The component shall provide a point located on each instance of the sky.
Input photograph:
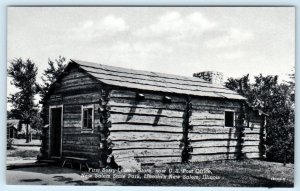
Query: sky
(175, 40)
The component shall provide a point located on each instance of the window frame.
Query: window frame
(232, 111)
(83, 129)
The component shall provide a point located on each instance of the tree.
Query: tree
(277, 100)
(37, 124)
(23, 74)
(50, 74)
(242, 86)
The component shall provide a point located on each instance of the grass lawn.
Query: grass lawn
(231, 173)
(227, 173)
(22, 154)
(22, 142)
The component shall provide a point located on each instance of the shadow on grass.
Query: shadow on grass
(30, 180)
(62, 178)
(71, 181)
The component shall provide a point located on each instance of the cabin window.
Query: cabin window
(87, 117)
(229, 119)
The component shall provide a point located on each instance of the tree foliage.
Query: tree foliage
(50, 74)
(277, 100)
(23, 74)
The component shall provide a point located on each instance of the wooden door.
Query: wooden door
(55, 131)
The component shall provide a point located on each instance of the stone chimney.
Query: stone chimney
(210, 76)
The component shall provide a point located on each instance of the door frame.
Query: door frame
(61, 129)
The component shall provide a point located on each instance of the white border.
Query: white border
(3, 77)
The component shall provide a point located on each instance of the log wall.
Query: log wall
(254, 135)
(73, 91)
(211, 140)
(148, 130)
(209, 137)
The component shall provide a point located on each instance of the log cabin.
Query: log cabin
(13, 125)
(116, 116)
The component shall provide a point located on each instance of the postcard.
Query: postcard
(151, 96)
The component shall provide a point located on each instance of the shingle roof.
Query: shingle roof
(13, 123)
(154, 81)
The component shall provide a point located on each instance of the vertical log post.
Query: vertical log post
(185, 141)
(262, 141)
(240, 129)
(105, 149)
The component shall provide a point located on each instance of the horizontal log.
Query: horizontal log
(70, 117)
(252, 137)
(201, 158)
(214, 129)
(85, 148)
(147, 111)
(212, 143)
(146, 152)
(78, 88)
(144, 144)
(216, 150)
(69, 153)
(212, 122)
(81, 132)
(218, 103)
(78, 80)
(206, 115)
(157, 160)
(251, 143)
(211, 110)
(73, 75)
(140, 119)
(145, 104)
(82, 98)
(81, 137)
(201, 136)
(77, 85)
(129, 136)
(87, 142)
(132, 95)
(222, 129)
(248, 146)
(72, 109)
(76, 123)
(214, 108)
(252, 155)
(250, 149)
(71, 130)
(146, 128)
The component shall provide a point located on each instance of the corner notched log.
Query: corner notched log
(105, 149)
